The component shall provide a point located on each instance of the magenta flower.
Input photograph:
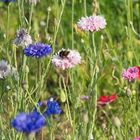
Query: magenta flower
(92, 23)
(65, 59)
(131, 73)
(138, 138)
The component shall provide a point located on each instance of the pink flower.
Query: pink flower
(65, 59)
(92, 23)
(131, 73)
(138, 138)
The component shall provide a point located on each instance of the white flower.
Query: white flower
(23, 39)
(5, 69)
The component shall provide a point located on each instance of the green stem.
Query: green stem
(19, 12)
(47, 23)
(72, 35)
(30, 18)
(39, 79)
(58, 24)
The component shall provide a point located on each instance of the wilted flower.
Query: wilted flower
(104, 100)
(33, 1)
(131, 73)
(27, 123)
(23, 39)
(37, 50)
(65, 59)
(5, 69)
(92, 23)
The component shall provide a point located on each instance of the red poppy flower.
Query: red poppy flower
(103, 100)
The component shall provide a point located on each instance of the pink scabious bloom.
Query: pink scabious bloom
(92, 23)
(131, 73)
(65, 59)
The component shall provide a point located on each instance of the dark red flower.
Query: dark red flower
(103, 100)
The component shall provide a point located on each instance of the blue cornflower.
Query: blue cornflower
(37, 50)
(6, 1)
(28, 123)
(52, 107)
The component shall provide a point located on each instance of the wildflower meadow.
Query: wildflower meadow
(69, 69)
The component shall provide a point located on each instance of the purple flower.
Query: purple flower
(37, 50)
(92, 23)
(131, 73)
(28, 123)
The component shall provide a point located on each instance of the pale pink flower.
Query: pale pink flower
(92, 23)
(131, 73)
(65, 59)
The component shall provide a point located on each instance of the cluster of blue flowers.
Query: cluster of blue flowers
(6, 1)
(37, 50)
(34, 121)
(27, 123)
(52, 108)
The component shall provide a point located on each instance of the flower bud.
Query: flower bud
(116, 121)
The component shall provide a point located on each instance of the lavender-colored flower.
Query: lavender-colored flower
(28, 123)
(52, 108)
(84, 97)
(131, 73)
(5, 69)
(33, 1)
(37, 50)
(92, 23)
(65, 59)
(23, 39)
